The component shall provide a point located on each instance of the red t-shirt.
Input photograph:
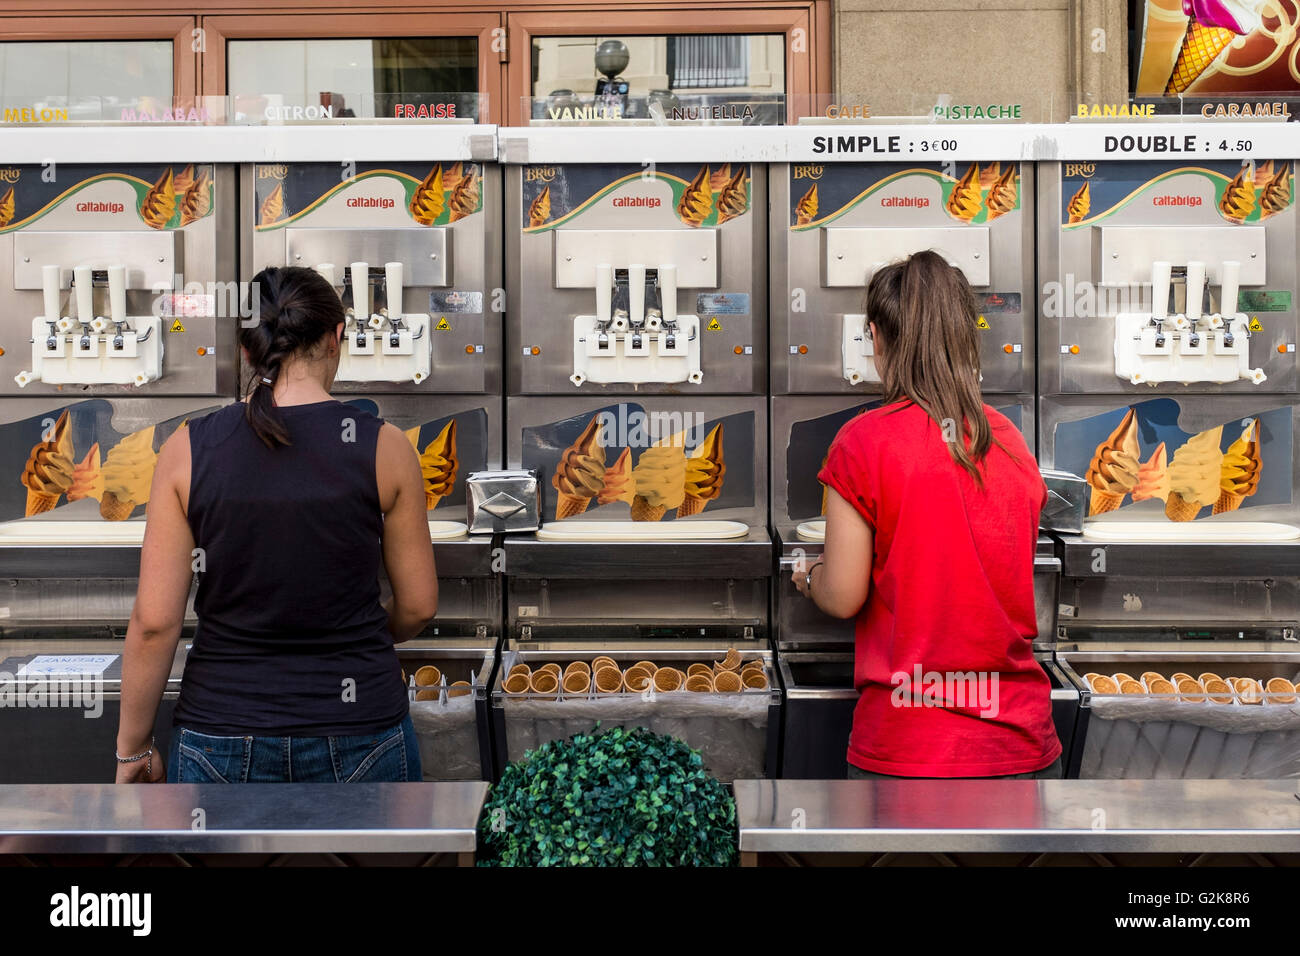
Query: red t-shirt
(944, 661)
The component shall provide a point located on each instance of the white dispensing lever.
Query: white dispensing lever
(1230, 288)
(1160, 276)
(50, 292)
(85, 295)
(668, 294)
(636, 294)
(326, 271)
(604, 295)
(361, 293)
(393, 292)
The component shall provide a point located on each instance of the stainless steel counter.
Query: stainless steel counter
(747, 557)
(1003, 816)
(1190, 560)
(277, 818)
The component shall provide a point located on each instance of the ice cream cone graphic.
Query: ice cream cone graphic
(580, 475)
(1238, 199)
(1239, 473)
(128, 473)
(438, 464)
(1194, 475)
(618, 481)
(705, 470)
(49, 469)
(660, 481)
(87, 478)
(1276, 195)
(1080, 203)
(1113, 471)
(965, 200)
(1153, 477)
(1211, 26)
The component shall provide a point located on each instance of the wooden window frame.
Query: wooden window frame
(806, 72)
(218, 30)
(178, 29)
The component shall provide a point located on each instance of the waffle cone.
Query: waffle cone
(553, 668)
(609, 680)
(691, 506)
(636, 679)
(1227, 502)
(38, 502)
(521, 669)
(578, 682)
(113, 508)
(754, 679)
(517, 684)
(1103, 501)
(577, 667)
(699, 683)
(598, 663)
(427, 676)
(428, 693)
(1201, 47)
(702, 669)
(543, 682)
(1280, 691)
(566, 506)
(458, 689)
(1178, 508)
(726, 682)
(731, 662)
(669, 679)
(642, 510)
(431, 500)
(648, 666)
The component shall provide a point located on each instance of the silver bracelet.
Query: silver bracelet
(153, 742)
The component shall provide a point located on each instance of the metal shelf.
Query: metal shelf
(747, 557)
(1181, 560)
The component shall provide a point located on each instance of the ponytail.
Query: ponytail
(297, 309)
(924, 312)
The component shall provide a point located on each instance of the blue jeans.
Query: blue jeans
(390, 756)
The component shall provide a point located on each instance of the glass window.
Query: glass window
(376, 73)
(94, 72)
(695, 64)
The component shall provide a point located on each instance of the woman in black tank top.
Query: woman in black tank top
(283, 505)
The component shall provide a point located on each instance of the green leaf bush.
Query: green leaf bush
(619, 798)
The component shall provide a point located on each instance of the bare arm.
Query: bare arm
(166, 572)
(408, 552)
(841, 582)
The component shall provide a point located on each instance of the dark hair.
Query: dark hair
(926, 326)
(297, 309)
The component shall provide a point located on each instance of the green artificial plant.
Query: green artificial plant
(619, 798)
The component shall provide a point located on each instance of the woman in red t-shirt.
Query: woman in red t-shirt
(931, 525)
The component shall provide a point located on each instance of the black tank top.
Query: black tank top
(291, 639)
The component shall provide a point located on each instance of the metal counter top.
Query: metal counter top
(470, 556)
(1186, 560)
(275, 818)
(1004, 816)
(747, 557)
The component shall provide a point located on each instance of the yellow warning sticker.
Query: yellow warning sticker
(176, 326)
(443, 325)
(982, 323)
(1254, 324)
(714, 325)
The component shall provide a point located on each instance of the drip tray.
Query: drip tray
(812, 530)
(86, 534)
(1160, 532)
(570, 530)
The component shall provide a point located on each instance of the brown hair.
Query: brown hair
(296, 308)
(924, 313)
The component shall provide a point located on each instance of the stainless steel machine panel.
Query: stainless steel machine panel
(1103, 229)
(439, 220)
(833, 224)
(698, 229)
(424, 252)
(168, 328)
(155, 258)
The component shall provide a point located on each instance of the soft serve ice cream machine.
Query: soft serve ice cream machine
(835, 224)
(1164, 277)
(118, 280)
(636, 278)
(414, 253)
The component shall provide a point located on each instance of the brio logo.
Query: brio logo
(808, 172)
(9, 174)
(1080, 169)
(272, 171)
(539, 174)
